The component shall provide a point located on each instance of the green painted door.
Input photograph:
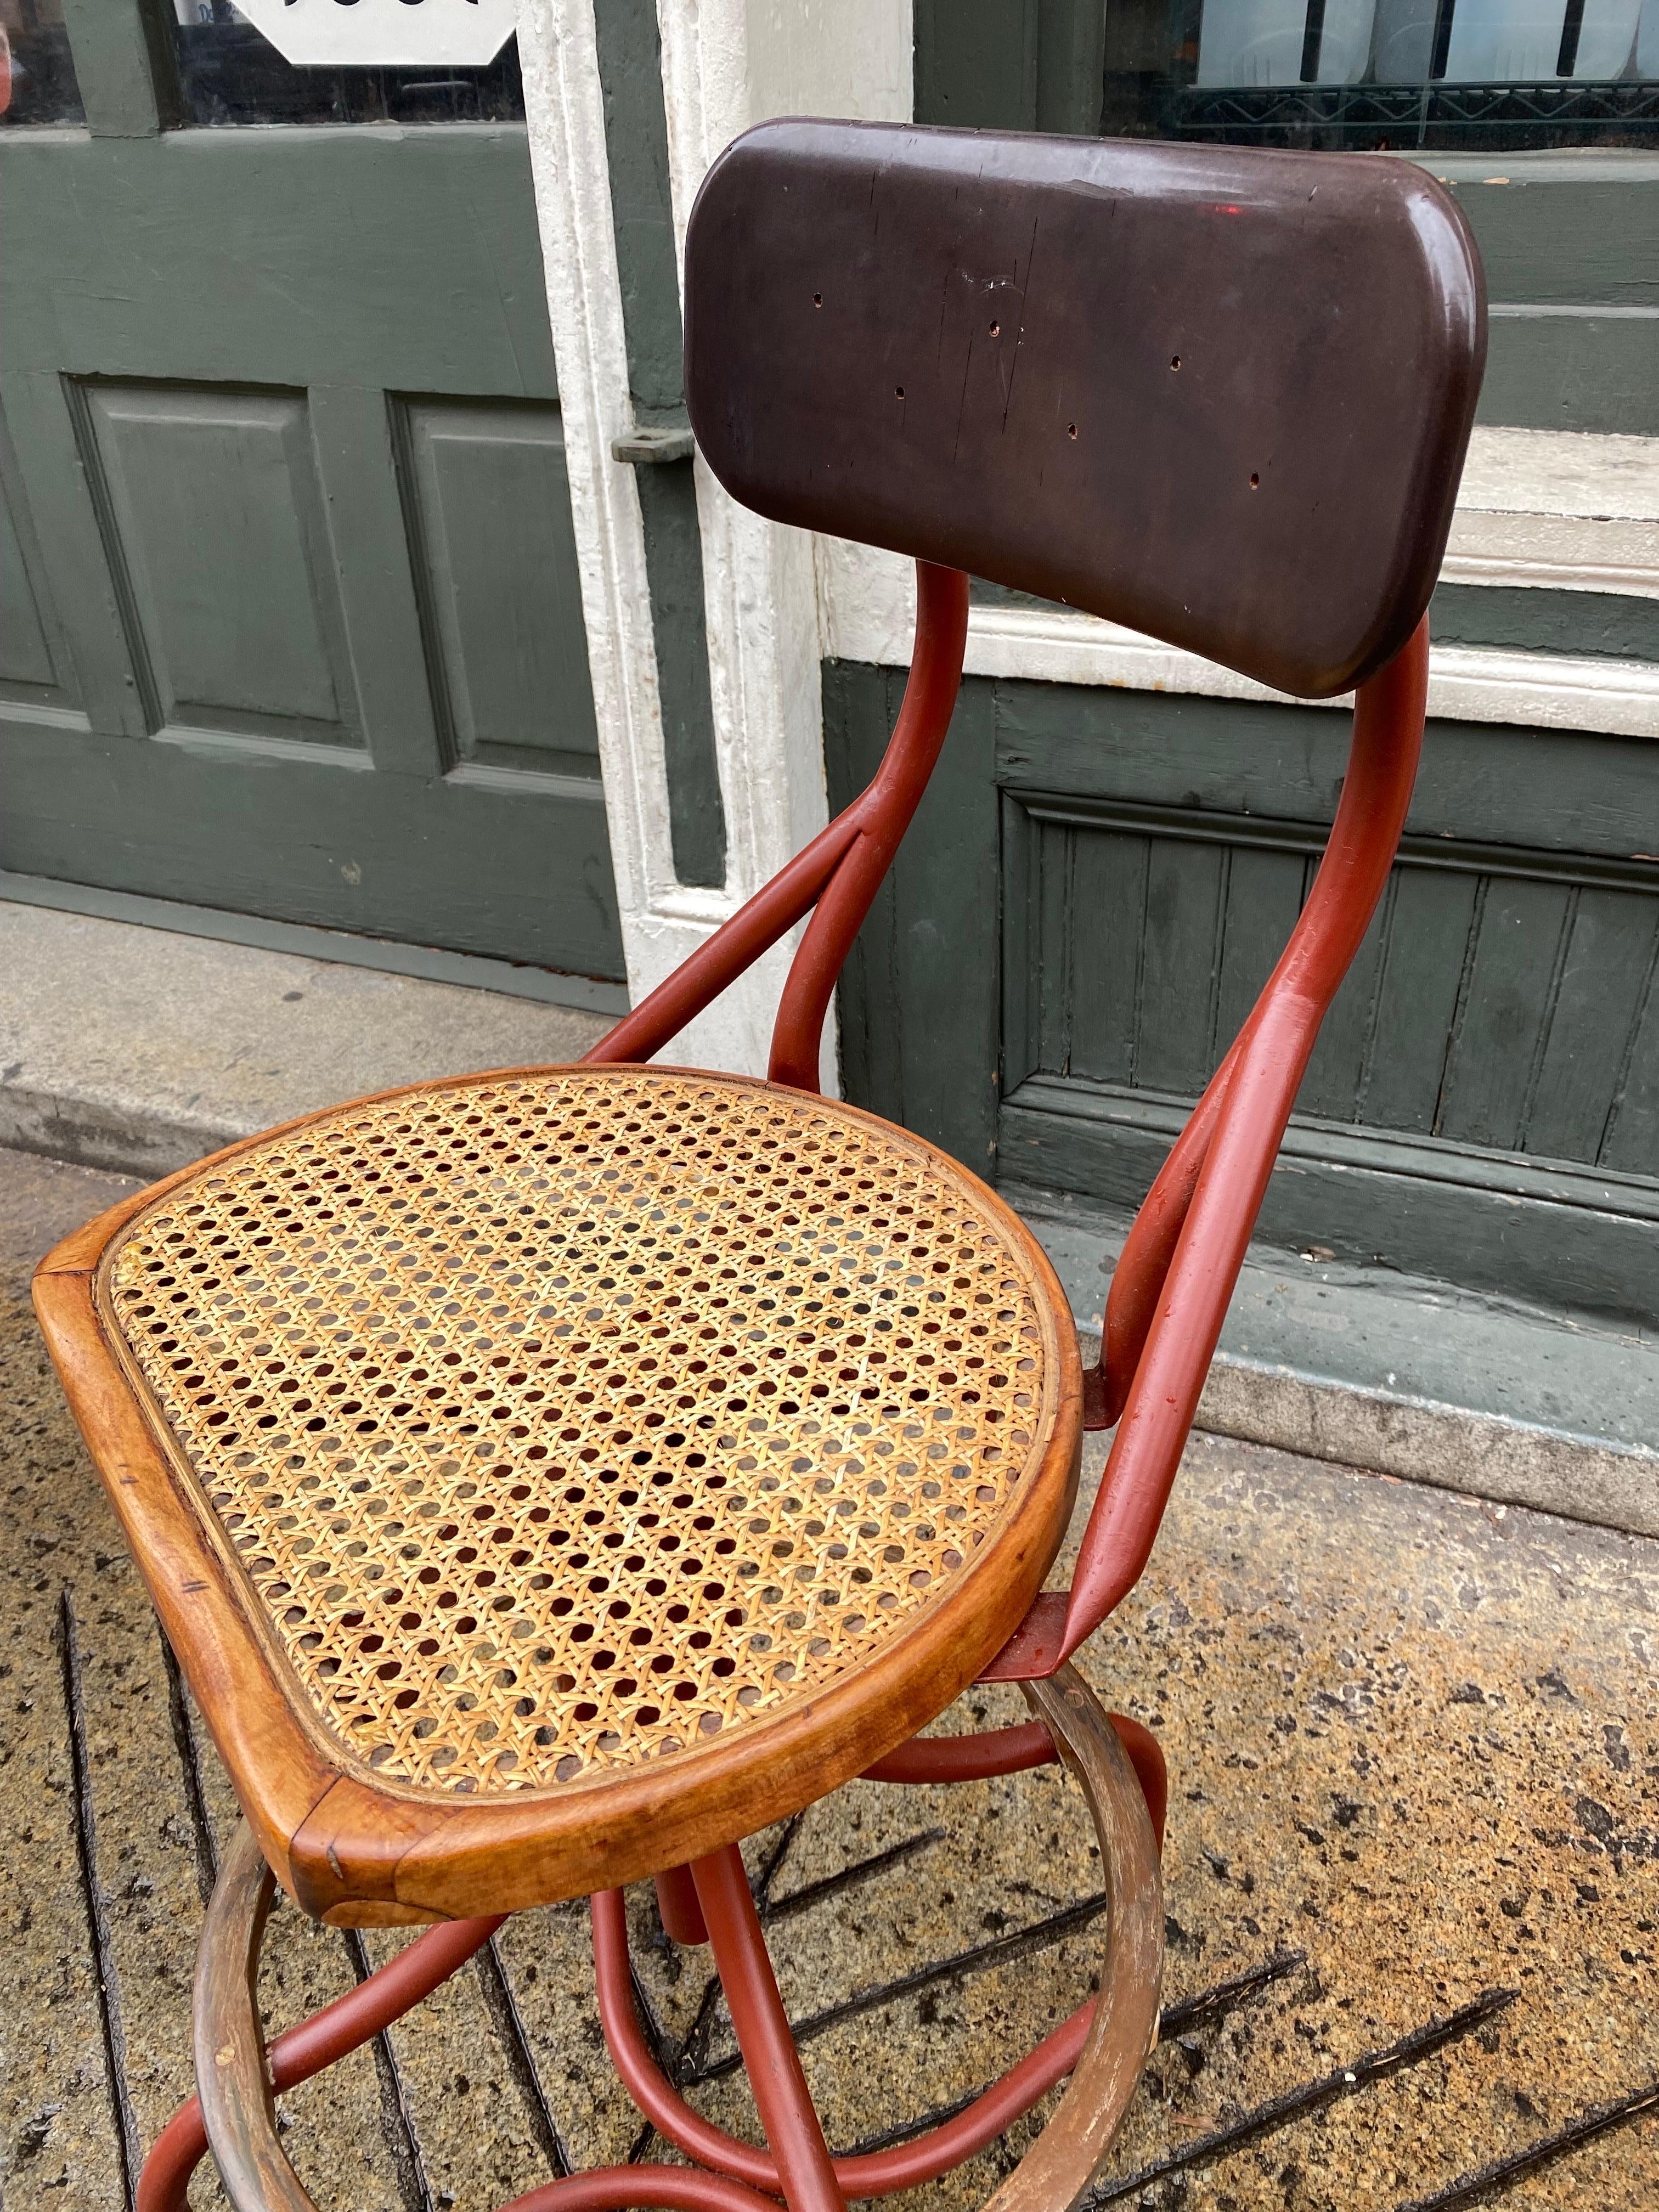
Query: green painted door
(290, 619)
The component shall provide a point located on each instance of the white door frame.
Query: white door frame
(726, 63)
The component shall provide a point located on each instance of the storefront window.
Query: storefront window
(230, 73)
(1476, 74)
(37, 76)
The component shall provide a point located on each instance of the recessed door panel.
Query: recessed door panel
(490, 505)
(215, 529)
(25, 657)
(29, 669)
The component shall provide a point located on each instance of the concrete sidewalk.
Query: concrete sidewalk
(139, 1050)
(1412, 1870)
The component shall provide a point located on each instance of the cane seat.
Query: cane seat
(572, 1425)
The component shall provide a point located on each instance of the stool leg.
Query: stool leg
(793, 2133)
(678, 1905)
(237, 2108)
(235, 2071)
(1103, 2046)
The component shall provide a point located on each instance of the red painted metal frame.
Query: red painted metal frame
(938, 2150)
(729, 1917)
(840, 872)
(875, 2173)
(679, 1910)
(340, 2028)
(617, 2188)
(801, 2168)
(1171, 1286)
(1011, 1751)
(1168, 1296)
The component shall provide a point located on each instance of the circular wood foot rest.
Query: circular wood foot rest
(1103, 2048)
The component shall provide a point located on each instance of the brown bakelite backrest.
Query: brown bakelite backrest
(1219, 395)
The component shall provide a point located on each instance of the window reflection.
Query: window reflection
(230, 73)
(37, 75)
(1386, 73)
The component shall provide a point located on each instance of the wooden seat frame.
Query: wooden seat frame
(1168, 1299)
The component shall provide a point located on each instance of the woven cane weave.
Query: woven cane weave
(562, 1421)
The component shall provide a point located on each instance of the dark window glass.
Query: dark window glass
(1476, 74)
(229, 72)
(37, 75)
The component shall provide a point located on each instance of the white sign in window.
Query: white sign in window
(384, 33)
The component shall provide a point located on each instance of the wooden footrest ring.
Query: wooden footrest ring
(232, 2073)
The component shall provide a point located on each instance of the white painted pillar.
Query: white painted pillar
(726, 63)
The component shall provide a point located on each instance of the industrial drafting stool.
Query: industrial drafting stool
(547, 1478)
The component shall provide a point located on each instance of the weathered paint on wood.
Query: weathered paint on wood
(123, 55)
(1566, 228)
(484, 860)
(673, 568)
(1615, 625)
(34, 665)
(988, 66)
(1561, 237)
(211, 515)
(1583, 1244)
(400, 259)
(1585, 795)
(1632, 1140)
(1484, 1103)
(1582, 1079)
(629, 51)
(495, 562)
(1512, 961)
(919, 1014)
(1573, 372)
